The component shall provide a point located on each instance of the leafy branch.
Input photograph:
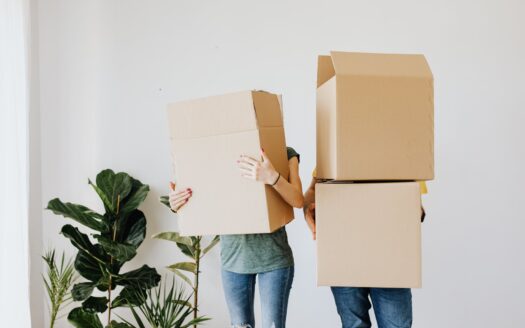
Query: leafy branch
(118, 234)
(191, 247)
(164, 308)
(58, 280)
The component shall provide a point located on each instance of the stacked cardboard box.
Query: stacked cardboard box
(207, 137)
(374, 140)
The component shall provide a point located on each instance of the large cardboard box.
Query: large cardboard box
(368, 234)
(375, 117)
(207, 137)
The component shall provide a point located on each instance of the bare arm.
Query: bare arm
(309, 195)
(309, 207)
(263, 171)
(291, 191)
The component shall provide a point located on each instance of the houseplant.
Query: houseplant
(58, 279)
(115, 237)
(164, 307)
(193, 248)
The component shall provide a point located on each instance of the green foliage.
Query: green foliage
(59, 277)
(164, 308)
(117, 235)
(191, 247)
(81, 318)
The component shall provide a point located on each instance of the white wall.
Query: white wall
(108, 69)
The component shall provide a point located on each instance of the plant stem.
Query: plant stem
(53, 318)
(196, 292)
(196, 281)
(111, 259)
(109, 301)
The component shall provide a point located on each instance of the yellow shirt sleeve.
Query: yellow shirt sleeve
(314, 173)
(423, 187)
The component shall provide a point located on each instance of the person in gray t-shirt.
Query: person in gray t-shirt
(265, 256)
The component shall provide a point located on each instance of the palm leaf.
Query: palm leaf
(181, 275)
(166, 307)
(58, 280)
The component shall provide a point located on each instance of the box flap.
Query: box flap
(267, 109)
(280, 98)
(325, 69)
(211, 116)
(354, 63)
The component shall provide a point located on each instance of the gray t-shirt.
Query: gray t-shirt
(256, 253)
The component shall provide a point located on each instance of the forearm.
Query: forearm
(309, 195)
(291, 193)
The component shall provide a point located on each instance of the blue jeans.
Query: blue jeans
(392, 306)
(274, 290)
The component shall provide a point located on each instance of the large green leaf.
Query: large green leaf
(88, 267)
(116, 187)
(130, 296)
(185, 266)
(81, 241)
(107, 202)
(79, 213)
(142, 278)
(121, 252)
(114, 324)
(187, 250)
(95, 304)
(81, 318)
(138, 193)
(82, 291)
(132, 228)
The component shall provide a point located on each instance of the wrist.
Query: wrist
(305, 207)
(274, 178)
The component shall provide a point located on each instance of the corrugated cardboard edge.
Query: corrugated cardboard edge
(282, 168)
(325, 69)
(326, 120)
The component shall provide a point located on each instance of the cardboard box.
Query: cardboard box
(368, 234)
(375, 117)
(207, 137)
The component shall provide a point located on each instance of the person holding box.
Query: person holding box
(392, 306)
(267, 257)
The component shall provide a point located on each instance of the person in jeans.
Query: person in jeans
(267, 257)
(392, 306)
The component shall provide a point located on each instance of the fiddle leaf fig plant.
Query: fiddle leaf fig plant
(112, 241)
